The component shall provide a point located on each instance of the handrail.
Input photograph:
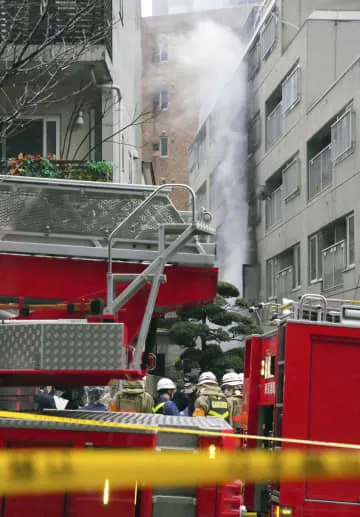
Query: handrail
(319, 297)
(135, 211)
(323, 150)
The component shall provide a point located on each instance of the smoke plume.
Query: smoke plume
(213, 80)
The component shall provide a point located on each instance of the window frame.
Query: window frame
(291, 194)
(162, 139)
(278, 215)
(121, 11)
(163, 42)
(318, 277)
(287, 108)
(271, 265)
(271, 19)
(336, 158)
(350, 264)
(297, 267)
(45, 119)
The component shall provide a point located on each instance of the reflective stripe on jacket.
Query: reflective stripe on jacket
(159, 408)
(218, 406)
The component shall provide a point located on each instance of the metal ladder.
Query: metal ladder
(154, 272)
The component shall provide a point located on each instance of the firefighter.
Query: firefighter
(210, 399)
(232, 387)
(164, 404)
(95, 394)
(133, 398)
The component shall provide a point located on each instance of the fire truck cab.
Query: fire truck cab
(301, 381)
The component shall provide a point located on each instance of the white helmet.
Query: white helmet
(241, 378)
(230, 379)
(165, 384)
(207, 378)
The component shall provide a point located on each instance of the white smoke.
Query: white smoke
(213, 79)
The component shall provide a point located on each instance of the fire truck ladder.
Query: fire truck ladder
(154, 272)
(91, 221)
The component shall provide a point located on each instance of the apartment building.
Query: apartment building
(168, 135)
(99, 92)
(303, 155)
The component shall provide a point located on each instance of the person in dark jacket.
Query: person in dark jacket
(190, 388)
(94, 400)
(163, 404)
(44, 399)
(180, 397)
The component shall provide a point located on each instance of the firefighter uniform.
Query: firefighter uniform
(236, 402)
(210, 400)
(133, 399)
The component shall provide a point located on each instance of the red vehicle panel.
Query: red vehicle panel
(317, 375)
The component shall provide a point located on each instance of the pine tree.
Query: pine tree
(202, 330)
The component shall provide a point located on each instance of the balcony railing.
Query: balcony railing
(320, 172)
(74, 20)
(284, 283)
(333, 265)
(274, 126)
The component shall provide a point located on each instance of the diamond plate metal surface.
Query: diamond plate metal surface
(66, 209)
(157, 421)
(61, 346)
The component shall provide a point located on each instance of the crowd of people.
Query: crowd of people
(193, 397)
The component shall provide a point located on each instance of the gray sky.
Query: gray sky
(146, 7)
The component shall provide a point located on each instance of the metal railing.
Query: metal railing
(284, 283)
(274, 126)
(74, 22)
(320, 172)
(333, 259)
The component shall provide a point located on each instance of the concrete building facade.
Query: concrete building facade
(168, 135)
(87, 125)
(303, 156)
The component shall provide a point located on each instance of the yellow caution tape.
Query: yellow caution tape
(54, 471)
(198, 432)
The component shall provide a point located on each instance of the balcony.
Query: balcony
(284, 283)
(333, 266)
(67, 22)
(274, 126)
(320, 172)
(40, 167)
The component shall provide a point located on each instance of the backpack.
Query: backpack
(131, 402)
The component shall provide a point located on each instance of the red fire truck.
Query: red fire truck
(84, 269)
(301, 381)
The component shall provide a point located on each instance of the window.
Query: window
(284, 273)
(320, 172)
(164, 147)
(254, 59)
(270, 278)
(163, 98)
(160, 100)
(291, 90)
(34, 136)
(315, 265)
(341, 135)
(273, 208)
(160, 53)
(254, 133)
(290, 179)
(268, 36)
(297, 267)
(350, 241)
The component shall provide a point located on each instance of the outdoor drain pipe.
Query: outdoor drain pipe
(117, 89)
